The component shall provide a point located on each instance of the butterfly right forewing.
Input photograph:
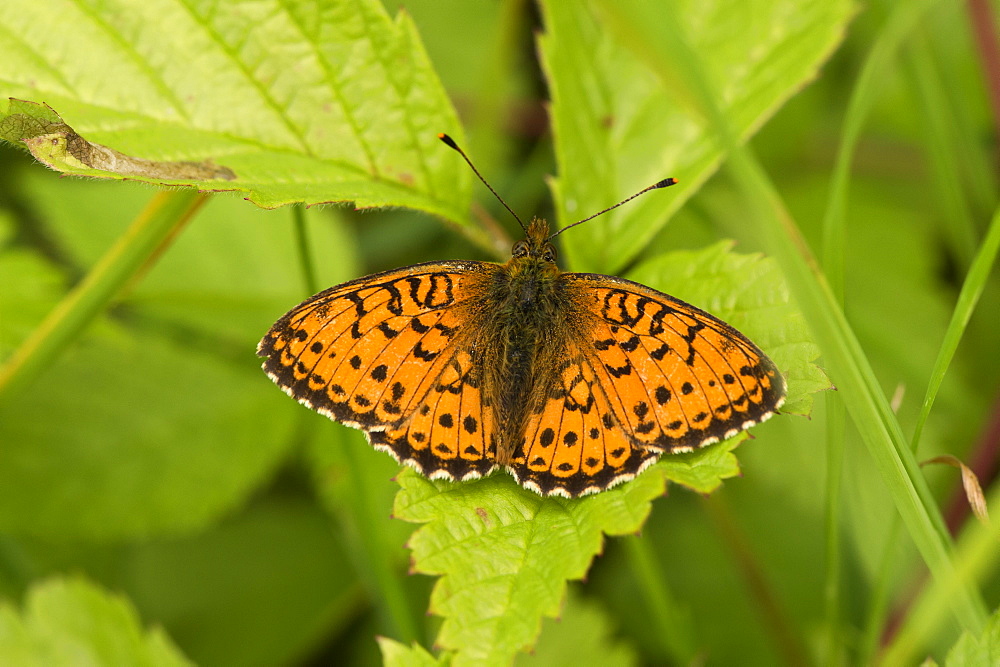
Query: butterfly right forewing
(677, 377)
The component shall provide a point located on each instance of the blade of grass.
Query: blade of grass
(847, 364)
(972, 289)
(360, 517)
(166, 213)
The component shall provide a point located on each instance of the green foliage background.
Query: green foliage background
(162, 502)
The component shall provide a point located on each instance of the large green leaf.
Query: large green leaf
(266, 587)
(134, 436)
(506, 554)
(158, 420)
(73, 622)
(303, 101)
(618, 128)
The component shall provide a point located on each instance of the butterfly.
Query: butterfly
(572, 382)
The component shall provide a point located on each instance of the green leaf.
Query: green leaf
(982, 650)
(98, 450)
(147, 426)
(268, 586)
(395, 654)
(618, 129)
(582, 635)
(303, 101)
(73, 622)
(507, 553)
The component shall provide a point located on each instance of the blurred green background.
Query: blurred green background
(265, 567)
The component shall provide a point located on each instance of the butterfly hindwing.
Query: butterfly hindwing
(573, 443)
(450, 435)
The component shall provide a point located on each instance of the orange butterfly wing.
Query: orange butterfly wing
(646, 373)
(388, 354)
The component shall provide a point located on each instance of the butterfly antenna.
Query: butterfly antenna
(451, 144)
(655, 186)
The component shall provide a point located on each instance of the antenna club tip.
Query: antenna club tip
(448, 140)
(665, 183)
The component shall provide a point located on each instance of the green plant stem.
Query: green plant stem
(878, 601)
(673, 625)
(373, 557)
(303, 248)
(144, 240)
(846, 361)
(371, 552)
(835, 423)
(774, 619)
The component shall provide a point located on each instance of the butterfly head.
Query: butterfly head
(536, 245)
(533, 258)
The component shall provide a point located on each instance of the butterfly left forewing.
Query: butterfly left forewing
(384, 354)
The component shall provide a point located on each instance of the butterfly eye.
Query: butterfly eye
(549, 253)
(520, 249)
